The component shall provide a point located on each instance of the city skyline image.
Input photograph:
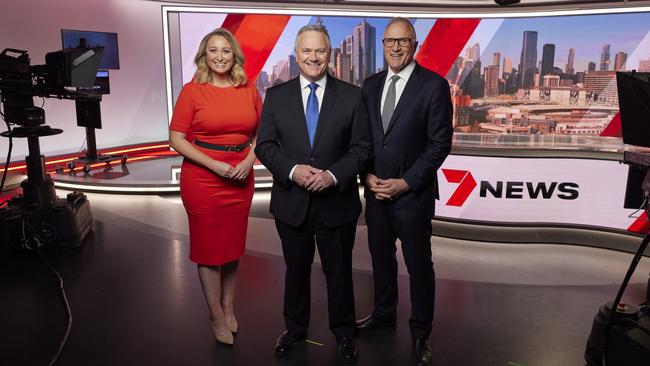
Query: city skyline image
(583, 34)
(337, 27)
(541, 75)
(586, 34)
(357, 51)
(546, 75)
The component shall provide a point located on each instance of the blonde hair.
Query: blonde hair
(203, 73)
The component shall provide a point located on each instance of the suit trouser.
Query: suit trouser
(413, 228)
(335, 250)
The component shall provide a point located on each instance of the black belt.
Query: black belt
(229, 148)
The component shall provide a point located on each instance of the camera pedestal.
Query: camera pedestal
(38, 215)
(629, 342)
(92, 157)
(620, 335)
(89, 116)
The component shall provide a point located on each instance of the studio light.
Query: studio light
(507, 2)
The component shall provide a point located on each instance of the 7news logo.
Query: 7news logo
(506, 189)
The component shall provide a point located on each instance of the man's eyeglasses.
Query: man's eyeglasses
(390, 42)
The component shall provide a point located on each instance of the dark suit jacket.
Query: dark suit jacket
(341, 145)
(418, 138)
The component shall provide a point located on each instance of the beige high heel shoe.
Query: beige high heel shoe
(232, 324)
(226, 339)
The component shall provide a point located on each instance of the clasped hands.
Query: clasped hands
(238, 172)
(386, 189)
(312, 179)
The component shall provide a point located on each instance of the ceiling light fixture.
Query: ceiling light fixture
(507, 2)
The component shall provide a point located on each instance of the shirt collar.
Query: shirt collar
(404, 74)
(321, 82)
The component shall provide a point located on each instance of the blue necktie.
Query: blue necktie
(311, 114)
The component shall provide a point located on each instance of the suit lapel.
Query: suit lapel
(410, 91)
(376, 110)
(329, 98)
(299, 111)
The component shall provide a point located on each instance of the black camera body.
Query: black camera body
(20, 82)
(38, 217)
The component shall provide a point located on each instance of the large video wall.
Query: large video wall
(522, 81)
(524, 76)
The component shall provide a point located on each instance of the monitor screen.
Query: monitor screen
(76, 38)
(634, 104)
(102, 82)
(101, 86)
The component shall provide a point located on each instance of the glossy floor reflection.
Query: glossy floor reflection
(136, 299)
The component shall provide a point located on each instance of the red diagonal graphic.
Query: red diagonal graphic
(464, 189)
(444, 43)
(257, 34)
(640, 225)
(233, 21)
(614, 128)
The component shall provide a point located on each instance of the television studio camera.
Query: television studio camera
(622, 337)
(38, 217)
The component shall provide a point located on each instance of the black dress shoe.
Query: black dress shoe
(286, 341)
(421, 352)
(372, 322)
(347, 348)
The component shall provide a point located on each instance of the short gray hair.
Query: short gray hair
(405, 21)
(314, 28)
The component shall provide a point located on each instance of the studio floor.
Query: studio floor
(136, 299)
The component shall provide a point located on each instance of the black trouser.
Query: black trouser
(335, 250)
(413, 228)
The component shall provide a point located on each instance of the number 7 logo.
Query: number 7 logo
(465, 187)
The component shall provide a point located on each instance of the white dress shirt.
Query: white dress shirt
(320, 91)
(404, 76)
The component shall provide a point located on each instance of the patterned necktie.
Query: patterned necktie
(389, 103)
(311, 113)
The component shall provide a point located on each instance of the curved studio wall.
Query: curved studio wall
(539, 112)
(135, 110)
(535, 94)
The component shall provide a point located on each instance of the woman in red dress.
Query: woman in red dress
(221, 111)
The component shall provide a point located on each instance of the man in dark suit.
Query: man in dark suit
(410, 115)
(314, 138)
